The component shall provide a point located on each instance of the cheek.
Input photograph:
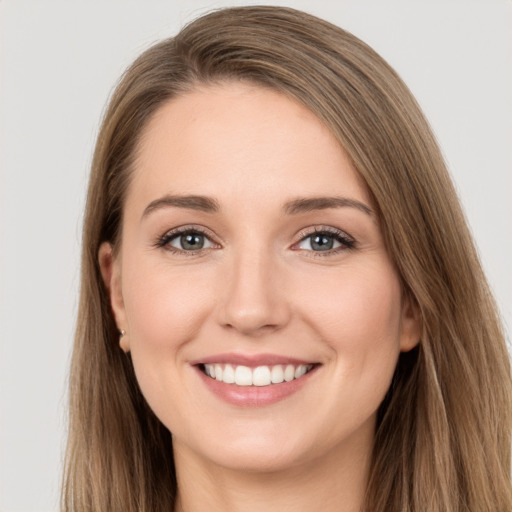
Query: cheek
(165, 309)
(358, 319)
(162, 303)
(358, 314)
(357, 297)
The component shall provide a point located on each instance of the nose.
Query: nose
(254, 301)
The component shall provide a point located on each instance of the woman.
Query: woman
(281, 304)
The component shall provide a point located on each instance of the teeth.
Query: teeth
(259, 376)
(289, 373)
(277, 375)
(299, 372)
(243, 376)
(228, 375)
(210, 370)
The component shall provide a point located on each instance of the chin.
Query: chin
(251, 449)
(255, 459)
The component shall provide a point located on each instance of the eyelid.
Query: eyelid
(347, 241)
(162, 241)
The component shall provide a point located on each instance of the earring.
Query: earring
(123, 342)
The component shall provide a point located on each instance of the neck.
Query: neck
(336, 481)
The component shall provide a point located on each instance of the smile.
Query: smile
(240, 375)
(254, 380)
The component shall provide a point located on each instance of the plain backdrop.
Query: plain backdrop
(58, 63)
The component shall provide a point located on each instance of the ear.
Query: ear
(411, 324)
(110, 267)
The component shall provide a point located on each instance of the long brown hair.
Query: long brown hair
(443, 439)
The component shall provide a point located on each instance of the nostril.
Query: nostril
(252, 302)
(254, 329)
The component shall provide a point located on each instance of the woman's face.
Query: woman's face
(251, 250)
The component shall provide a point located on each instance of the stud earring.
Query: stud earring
(123, 342)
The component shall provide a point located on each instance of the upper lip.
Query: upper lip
(250, 360)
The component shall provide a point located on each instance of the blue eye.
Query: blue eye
(325, 241)
(186, 241)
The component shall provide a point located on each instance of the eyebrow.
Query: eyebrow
(308, 204)
(293, 207)
(201, 203)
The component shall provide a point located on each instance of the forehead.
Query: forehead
(241, 139)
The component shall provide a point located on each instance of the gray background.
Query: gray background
(58, 64)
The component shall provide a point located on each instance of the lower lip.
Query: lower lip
(254, 396)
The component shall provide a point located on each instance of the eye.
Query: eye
(190, 241)
(187, 240)
(325, 241)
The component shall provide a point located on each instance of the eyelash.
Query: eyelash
(345, 240)
(166, 238)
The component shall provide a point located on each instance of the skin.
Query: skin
(257, 287)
